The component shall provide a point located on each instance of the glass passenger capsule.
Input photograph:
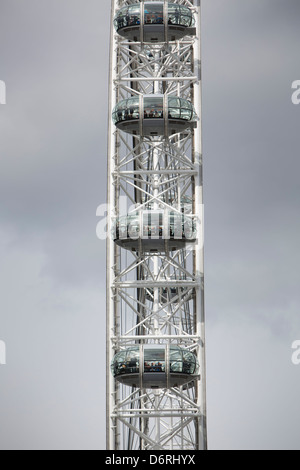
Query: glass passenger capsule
(154, 115)
(155, 366)
(154, 231)
(154, 22)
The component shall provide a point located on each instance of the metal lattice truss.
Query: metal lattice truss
(172, 173)
(140, 411)
(173, 318)
(156, 297)
(156, 64)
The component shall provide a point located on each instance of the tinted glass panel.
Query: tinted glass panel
(152, 224)
(126, 362)
(180, 15)
(154, 14)
(153, 107)
(154, 360)
(128, 16)
(175, 226)
(126, 110)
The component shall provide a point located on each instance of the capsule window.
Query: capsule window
(190, 365)
(126, 362)
(176, 226)
(133, 224)
(154, 360)
(153, 107)
(154, 14)
(128, 16)
(188, 228)
(119, 364)
(176, 364)
(126, 110)
(180, 15)
(133, 360)
(152, 224)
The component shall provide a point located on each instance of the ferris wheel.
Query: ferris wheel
(156, 372)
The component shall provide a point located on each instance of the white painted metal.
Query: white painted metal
(163, 172)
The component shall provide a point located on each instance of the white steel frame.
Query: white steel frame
(160, 171)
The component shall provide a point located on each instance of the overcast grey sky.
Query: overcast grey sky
(54, 60)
